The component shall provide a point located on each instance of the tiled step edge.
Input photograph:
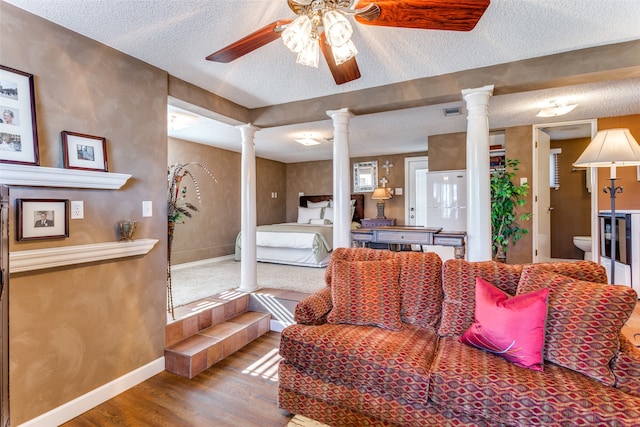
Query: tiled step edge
(193, 318)
(195, 354)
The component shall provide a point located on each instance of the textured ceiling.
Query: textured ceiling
(177, 35)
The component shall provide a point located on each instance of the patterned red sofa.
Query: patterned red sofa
(380, 346)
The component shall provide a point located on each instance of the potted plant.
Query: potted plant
(178, 209)
(506, 197)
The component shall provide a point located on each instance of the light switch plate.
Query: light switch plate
(147, 208)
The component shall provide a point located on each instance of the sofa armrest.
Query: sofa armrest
(313, 310)
(626, 367)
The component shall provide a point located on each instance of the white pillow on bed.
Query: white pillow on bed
(322, 204)
(353, 203)
(319, 222)
(328, 214)
(307, 214)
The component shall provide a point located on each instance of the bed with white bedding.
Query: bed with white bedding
(307, 242)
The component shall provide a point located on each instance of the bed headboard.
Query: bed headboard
(358, 214)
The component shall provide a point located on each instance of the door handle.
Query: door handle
(550, 208)
(413, 209)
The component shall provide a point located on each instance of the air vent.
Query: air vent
(453, 111)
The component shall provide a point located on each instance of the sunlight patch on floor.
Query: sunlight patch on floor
(265, 367)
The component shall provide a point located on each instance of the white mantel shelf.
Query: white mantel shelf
(37, 259)
(39, 176)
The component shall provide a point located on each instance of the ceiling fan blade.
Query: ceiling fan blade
(451, 15)
(248, 44)
(343, 73)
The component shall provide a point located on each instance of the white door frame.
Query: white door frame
(407, 186)
(594, 185)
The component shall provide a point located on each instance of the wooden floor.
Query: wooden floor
(240, 391)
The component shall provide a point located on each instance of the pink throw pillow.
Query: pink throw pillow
(512, 328)
(366, 293)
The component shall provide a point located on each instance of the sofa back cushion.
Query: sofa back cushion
(584, 320)
(354, 254)
(420, 281)
(459, 284)
(420, 288)
(366, 293)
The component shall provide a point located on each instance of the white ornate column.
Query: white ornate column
(248, 264)
(341, 178)
(478, 185)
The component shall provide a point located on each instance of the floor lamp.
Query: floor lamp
(611, 148)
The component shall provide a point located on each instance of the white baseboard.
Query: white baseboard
(202, 262)
(82, 404)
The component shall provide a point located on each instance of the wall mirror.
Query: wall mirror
(365, 176)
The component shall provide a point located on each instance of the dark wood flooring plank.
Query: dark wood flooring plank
(227, 394)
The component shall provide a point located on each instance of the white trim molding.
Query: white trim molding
(82, 404)
(39, 176)
(37, 259)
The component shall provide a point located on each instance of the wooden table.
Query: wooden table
(406, 235)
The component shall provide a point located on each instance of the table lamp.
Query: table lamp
(611, 148)
(381, 194)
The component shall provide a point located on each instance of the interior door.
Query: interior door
(416, 169)
(541, 199)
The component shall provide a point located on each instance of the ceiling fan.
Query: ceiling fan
(321, 25)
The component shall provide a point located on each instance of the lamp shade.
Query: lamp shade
(610, 147)
(380, 194)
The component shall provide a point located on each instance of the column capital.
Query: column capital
(342, 112)
(484, 90)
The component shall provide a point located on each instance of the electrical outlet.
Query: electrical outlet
(77, 209)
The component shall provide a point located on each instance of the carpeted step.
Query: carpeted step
(198, 352)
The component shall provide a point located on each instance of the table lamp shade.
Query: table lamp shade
(380, 194)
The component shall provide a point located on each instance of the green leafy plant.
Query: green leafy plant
(506, 197)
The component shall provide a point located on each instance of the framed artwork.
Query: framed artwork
(42, 219)
(18, 131)
(84, 151)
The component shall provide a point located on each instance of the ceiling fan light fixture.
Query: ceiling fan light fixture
(310, 55)
(344, 53)
(297, 34)
(336, 27)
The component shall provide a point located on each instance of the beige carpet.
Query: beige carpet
(216, 276)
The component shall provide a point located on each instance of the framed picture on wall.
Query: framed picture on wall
(42, 219)
(84, 151)
(18, 131)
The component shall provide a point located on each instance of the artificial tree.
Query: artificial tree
(506, 198)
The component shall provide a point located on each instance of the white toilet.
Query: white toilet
(584, 244)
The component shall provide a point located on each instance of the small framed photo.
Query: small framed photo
(84, 151)
(42, 219)
(18, 131)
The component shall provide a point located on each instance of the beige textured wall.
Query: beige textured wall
(518, 146)
(73, 329)
(313, 178)
(211, 232)
(448, 152)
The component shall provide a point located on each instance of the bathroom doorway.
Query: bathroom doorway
(563, 209)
